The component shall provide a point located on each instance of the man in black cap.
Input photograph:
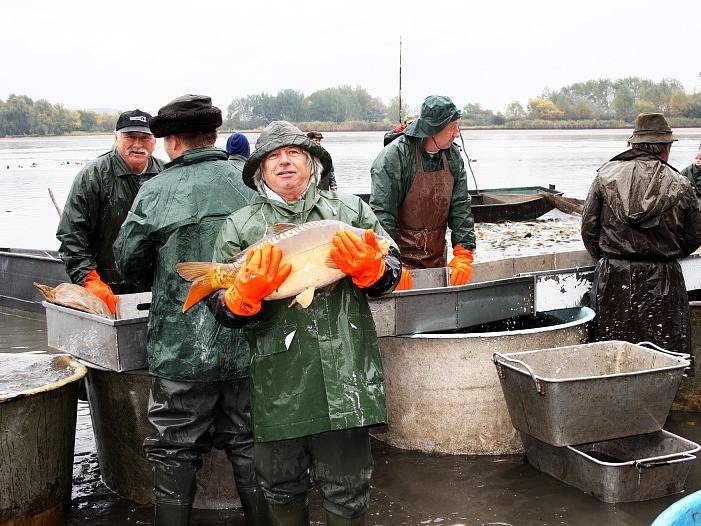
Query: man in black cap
(98, 203)
(200, 388)
(640, 217)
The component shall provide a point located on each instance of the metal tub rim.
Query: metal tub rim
(589, 315)
(79, 371)
(94, 317)
(695, 448)
(684, 363)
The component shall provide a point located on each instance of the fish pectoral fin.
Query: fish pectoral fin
(329, 262)
(304, 298)
(279, 228)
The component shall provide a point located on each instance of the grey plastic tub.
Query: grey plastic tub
(590, 392)
(629, 469)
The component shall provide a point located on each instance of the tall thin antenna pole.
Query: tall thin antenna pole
(400, 78)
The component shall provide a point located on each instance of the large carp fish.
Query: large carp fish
(305, 247)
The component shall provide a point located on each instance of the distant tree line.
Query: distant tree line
(20, 115)
(591, 104)
(333, 105)
(595, 100)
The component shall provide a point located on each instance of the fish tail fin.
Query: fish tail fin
(199, 290)
(200, 273)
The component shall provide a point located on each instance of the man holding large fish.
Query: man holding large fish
(200, 394)
(316, 375)
(419, 189)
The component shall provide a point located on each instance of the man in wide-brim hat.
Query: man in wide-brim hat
(317, 381)
(419, 189)
(640, 217)
(200, 394)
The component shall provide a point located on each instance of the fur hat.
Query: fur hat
(189, 113)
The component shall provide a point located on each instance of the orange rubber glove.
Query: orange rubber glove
(461, 265)
(259, 277)
(405, 281)
(101, 289)
(361, 259)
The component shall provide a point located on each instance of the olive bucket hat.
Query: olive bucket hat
(279, 134)
(651, 128)
(437, 111)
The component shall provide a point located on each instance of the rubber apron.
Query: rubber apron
(423, 217)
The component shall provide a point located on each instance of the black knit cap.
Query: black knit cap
(189, 113)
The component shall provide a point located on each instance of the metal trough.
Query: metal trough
(118, 404)
(38, 405)
(630, 469)
(442, 393)
(591, 392)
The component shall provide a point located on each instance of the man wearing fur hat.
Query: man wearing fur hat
(419, 188)
(640, 217)
(316, 374)
(199, 394)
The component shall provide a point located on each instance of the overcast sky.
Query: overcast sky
(121, 55)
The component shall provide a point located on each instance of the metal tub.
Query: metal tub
(591, 392)
(630, 469)
(441, 393)
(117, 345)
(38, 405)
(118, 407)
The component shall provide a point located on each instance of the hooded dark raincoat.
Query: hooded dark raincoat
(316, 369)
(100, 198)
(693, 174)
(176, 218)
(641, 216)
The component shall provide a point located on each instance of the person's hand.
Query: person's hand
(406, 282)
(102, 290)
(460, 265)
(361, 259)
(260, 276)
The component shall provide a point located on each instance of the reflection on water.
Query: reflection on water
(565, 158)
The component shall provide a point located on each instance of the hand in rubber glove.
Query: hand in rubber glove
(461, 265)
(101, 289)
(259, 277)
(405, 281)
(361, 259)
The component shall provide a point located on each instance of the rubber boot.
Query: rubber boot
(169, 514)
(336, 520)
(296, 513)
(255, 507)
(174, 489)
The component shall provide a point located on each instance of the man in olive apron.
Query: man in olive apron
(419, 188)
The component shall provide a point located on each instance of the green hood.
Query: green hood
(276, 135)
(437, 111)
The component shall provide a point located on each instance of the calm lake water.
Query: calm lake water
(565, 158)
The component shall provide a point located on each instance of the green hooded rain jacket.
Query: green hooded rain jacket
(392, 174)
(316, 369)
(176, 218)
(100, 198)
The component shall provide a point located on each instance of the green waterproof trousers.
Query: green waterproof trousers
(190, 418)
(340, 463)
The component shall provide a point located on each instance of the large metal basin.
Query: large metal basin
(443, 395)
(118, 407)
(38, 404)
